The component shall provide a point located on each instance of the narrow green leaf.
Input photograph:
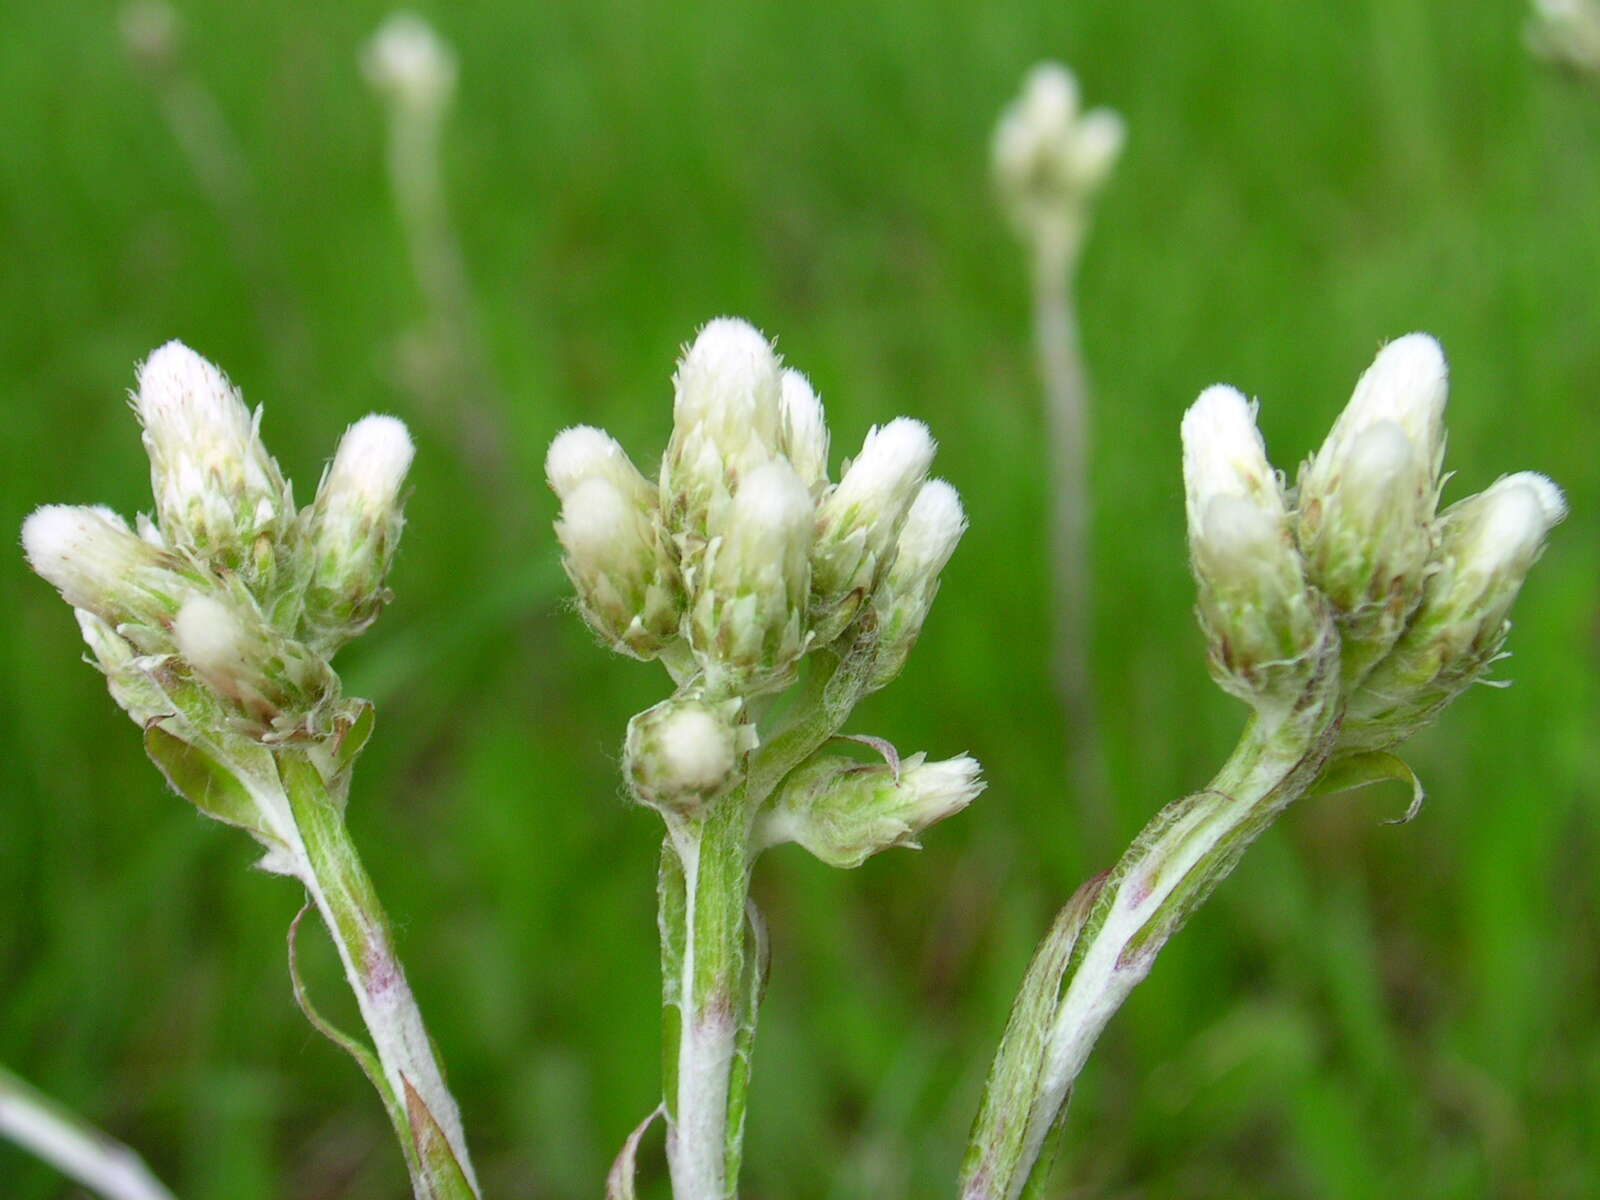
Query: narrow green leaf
(672, 919)
(439, 1175)
(207, 784)
(353, 737)
(1011, 1097)
(1359, 770)
(757, 967)
(365, 1058)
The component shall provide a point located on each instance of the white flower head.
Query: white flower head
(276, 689)
(1263, 623)
(927, 540)
(748, 614)
(355, 529)
(684, 752)
(583, 452)
(859, 522)
(407, 61)
(727, 421)
(844, 812)
(805, 430)
(626, 583)
(1487, 545)
(99, 565)
(1367, 497)
(217, 490)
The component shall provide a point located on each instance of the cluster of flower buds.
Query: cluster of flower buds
(1354, 570)
(221, 612)
(1567, 33)
(1050, 158)
(745, 556)
(410, 64)
(844, 811)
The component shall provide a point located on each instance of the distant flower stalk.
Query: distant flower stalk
(1347, 613)
(215, 621)
(747, 572)
(1049, 161)
(1567, 33)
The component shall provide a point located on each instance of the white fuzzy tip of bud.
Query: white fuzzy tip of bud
(726, 423)
(805, 430)
(583, 452)
(1406, 386)
(1223, 454)
(730, 373)
(408, 61)
(1519, 512)
(844, 812)
(96, 563)
(1264, 626)
(216, 487)
(1488, 543)
(884, 477)
(933, 527)
(749, 610)
(859, 522)
(212, 641)
(371, 463)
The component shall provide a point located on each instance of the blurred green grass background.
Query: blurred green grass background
(1364, 1010)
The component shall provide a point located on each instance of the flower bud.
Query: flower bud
(218, 492)
(726, 422)
(684, 752)
(860, 520)
(279, 689)
(1487, 544)
(409, 64)
(844, 811)
(355, 527)
(99, 565)
(1263, 624)
(627, 587)
(1367, 498)
(805, 431)
(933, 527)
(749, 606)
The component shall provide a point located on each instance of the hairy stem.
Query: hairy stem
(707, 986)
(1171, 868)
(75, 1148)
(424, 1110)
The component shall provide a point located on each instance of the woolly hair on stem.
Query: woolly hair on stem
(1331, 693)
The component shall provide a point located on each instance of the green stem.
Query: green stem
(425, 1114)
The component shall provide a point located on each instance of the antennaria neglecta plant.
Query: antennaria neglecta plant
(1347, 613)
(776, 599)
(215, 622)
